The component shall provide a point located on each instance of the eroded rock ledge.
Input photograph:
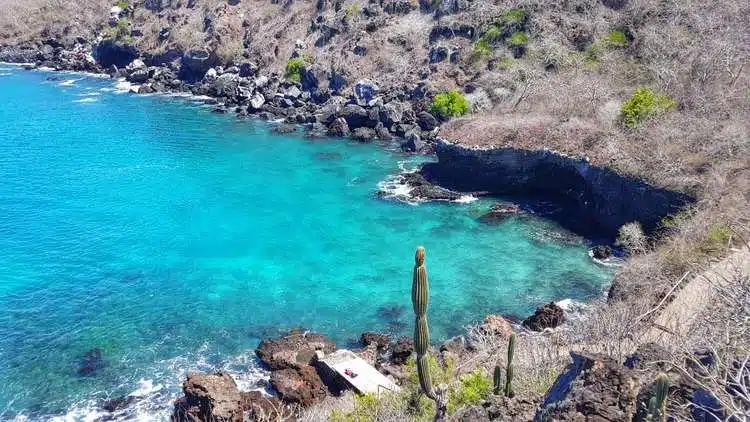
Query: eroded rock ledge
(591, 200)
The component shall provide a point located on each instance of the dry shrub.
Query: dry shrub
(723, 333)
(631, 237)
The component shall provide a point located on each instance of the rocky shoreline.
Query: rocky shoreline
(323, 103)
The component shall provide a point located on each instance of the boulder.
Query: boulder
(292, 92)
(311, 77)
(422, 189)
(380, 340)
(209, 397)
(496, 325)
(427, 121)
(546, 316)
(257, 101)
(110, 52)
(248, 69)
(593, 388)
(363, 134)
(365, 92)
(391, 113)
(135, 65)
(356, 116)
(601, 251)
(402, 350)
(196, 62)
(139, 76)
(302, 385)
(499, 212)
(382, 132)
(337, 82)
(413, 143)
(338, 127)
(226, 85)
(294, 349)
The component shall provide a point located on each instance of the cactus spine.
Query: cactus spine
(509, 370)
(497, 380)
(658, 403)
(420, 299)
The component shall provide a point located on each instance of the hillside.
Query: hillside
(656, 90)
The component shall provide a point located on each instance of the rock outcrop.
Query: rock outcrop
(500, 212)
(292, 358)
(593, 388)
(593, 200)
(546, 316)
(209, 397)
(293, 350)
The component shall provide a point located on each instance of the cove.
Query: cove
(143, 237)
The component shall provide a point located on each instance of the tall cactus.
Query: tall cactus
(658, 403)
(509, 370)
(420, 298)
(497, 380)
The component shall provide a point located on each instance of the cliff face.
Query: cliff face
(590, 200)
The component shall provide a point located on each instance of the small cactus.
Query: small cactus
(497, 380)
(509, 370)
(658, 403)
(420, 298)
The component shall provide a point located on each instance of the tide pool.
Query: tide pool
(170, 239)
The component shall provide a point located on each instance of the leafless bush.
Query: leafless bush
(612, 329)
(631, 237)
(723, 333)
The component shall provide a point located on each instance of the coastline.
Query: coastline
(154, 381)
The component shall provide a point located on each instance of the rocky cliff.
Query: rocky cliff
(590, 199)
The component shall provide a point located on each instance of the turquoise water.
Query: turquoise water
(173, 239)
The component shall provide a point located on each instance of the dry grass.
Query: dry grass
(22, 20)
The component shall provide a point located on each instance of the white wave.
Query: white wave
(5, 73)
(152, 399)
(394, 187)
(466, 199)
(67, 82)
(122, 86)
(89, 94)
(612, 261)
(87, 100)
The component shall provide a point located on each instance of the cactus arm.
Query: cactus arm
(509, 370)
(420, 299)
(497, 380)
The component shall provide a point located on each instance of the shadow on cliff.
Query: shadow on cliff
(590, 200)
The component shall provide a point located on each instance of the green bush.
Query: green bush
(518, 39)
(643, 104)
(482, 50)
(493, 34)
(123, 4)
(365, 410)
(717, 239)
(450, 104)
(616, 38)
(472, 389)
(514, 16)
(294, 69)
(352, 9)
